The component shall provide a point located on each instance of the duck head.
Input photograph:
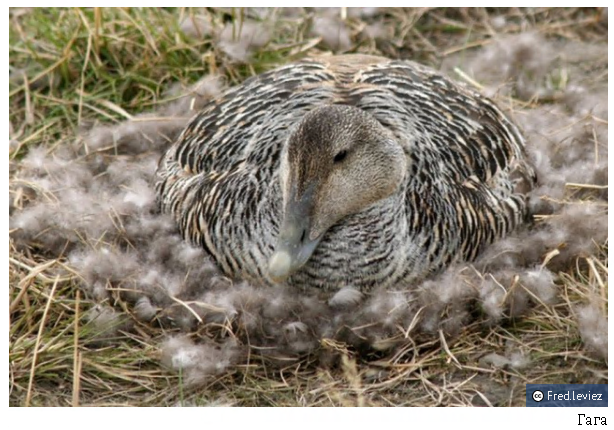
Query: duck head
(337, 161)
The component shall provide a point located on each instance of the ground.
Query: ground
(96, 94)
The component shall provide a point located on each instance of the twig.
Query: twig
(76, 380)
(444, 344)
(38, 342)
(24, 284)
(602, 287)
(590, 186)
(468, 78)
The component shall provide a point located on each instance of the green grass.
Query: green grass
(73, 68)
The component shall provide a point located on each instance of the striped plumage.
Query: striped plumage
(463, 187)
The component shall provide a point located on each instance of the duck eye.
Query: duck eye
(340, 157)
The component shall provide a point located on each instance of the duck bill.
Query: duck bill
(294, 245)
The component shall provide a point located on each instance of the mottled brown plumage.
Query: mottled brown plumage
(348, 170)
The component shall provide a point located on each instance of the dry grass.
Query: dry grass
(72, 68)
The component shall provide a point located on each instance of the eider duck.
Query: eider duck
(348, 170)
